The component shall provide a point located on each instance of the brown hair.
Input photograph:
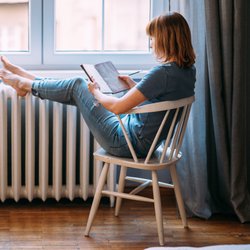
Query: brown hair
(172, 39)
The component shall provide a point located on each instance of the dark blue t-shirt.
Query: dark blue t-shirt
(168, 82)
(165, 82)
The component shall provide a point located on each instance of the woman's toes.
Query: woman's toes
(7, 64)
(5, 60)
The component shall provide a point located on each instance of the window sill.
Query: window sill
(72, 73)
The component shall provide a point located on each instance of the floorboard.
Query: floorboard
(52, 225)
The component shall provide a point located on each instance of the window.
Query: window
(124, 27)
(61, 34)
(14, 32)
(20, 30)
(101, 25)
(78, 26)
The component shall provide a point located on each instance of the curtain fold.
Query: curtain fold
(192, 169)
(226, 37)
(216, 168)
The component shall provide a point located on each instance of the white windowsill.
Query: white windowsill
(72, 73)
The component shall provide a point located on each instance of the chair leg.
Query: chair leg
(121, 185)
(97, 197)
(158, 208)
(111, 182)
(178, 195)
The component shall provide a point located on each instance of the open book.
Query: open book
(106, 75)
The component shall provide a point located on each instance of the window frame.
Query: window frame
(41, 44)
(122, 60)
(34, 55)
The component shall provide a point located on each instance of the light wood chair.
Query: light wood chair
(165, 156)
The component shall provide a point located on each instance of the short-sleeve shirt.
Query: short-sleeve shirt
(166, 82)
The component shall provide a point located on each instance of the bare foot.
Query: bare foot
(20, 84)
(16, 69)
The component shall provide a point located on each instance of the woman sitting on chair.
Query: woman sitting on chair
(173, 79)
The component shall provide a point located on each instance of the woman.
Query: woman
(172, 79)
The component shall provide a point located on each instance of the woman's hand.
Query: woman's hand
(128, 80)
(93, 85)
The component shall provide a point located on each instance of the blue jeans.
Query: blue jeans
(103, 124)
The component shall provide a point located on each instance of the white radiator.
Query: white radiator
(45, 150)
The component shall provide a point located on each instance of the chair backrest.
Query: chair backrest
(178, 113)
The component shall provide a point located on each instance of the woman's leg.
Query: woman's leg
(15, 81)
(16, 69)
(103, 124)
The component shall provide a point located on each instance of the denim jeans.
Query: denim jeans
(103, 124)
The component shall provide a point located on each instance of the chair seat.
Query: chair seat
(153, 164)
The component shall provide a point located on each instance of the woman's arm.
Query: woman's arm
(117, 105)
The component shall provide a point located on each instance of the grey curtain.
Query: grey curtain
(227, 128)
(215, 171)
(192, 169)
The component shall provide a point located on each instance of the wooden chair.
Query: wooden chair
(164, 157)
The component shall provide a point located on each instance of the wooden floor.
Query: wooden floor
(53, 225)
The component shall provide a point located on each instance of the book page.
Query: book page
(90, 70)
(110, 75)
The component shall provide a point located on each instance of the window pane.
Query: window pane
(125, 22)
(14, 25)
(78, 25)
